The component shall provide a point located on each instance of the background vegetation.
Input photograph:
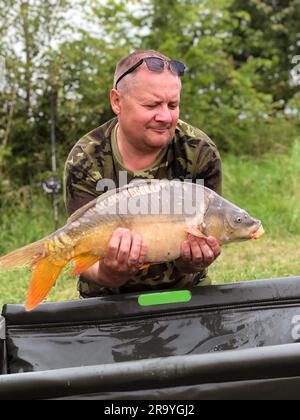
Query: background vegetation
(241, 88)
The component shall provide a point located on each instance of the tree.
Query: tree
(31, 33)
(268, 30)
(219, 96)
(236, 87)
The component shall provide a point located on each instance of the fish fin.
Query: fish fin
(196, 231)
(43, 278)
(22, 256)
(144, 266)
(83, 262)
(35, 258)
(79, 212)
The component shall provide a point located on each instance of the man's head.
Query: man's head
(146, 99)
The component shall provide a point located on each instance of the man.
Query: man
(147, 140)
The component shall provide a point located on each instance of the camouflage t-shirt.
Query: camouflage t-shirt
(95, 157)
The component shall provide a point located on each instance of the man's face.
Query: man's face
(149, 111)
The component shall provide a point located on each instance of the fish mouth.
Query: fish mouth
(258, 233)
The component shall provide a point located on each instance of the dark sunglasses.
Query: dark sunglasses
(157, 65)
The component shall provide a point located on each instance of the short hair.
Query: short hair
(128, 61)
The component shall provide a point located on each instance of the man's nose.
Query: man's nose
(164, 114)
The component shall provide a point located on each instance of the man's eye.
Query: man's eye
(173, 106)
(150, 106)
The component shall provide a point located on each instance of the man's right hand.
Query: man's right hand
(126, 252)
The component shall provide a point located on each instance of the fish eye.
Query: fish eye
(238, 219)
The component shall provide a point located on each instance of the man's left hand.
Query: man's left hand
(198, 253)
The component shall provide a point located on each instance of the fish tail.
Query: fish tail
(22, 256)
(44, 276)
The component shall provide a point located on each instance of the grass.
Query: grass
(268, 189)
(21, 225)
(269, 257)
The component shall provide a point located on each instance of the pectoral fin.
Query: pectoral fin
(196, 231)
(144, 266)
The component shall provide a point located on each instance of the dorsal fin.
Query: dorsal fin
(134, 183)
(79, 212)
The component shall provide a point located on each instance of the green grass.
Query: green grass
(268, 189)
(21, 225)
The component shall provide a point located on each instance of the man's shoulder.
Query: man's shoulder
(192, 136)
(198, 154)
(95, 145)
(97, 136)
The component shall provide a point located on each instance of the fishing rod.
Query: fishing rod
(52, 185)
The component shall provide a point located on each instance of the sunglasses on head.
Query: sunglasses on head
(157, 65)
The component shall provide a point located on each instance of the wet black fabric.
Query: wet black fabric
(2, 357)
(264, 372)
(3, 361)
(108, 331)
(260, 389)
(116, 329)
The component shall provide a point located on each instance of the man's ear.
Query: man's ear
(115, 101)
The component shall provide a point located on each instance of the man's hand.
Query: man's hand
(126, 252)
(197, 253)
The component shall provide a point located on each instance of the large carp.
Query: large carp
(162, 212)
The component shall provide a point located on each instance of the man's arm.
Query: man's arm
(209, 167)
(196, 253)
(79, 185)
(126, 252)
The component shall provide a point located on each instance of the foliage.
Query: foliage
(268, 30)
(238, 87)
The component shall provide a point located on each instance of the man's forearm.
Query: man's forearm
(99, 274)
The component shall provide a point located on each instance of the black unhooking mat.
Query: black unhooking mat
(238, 340)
